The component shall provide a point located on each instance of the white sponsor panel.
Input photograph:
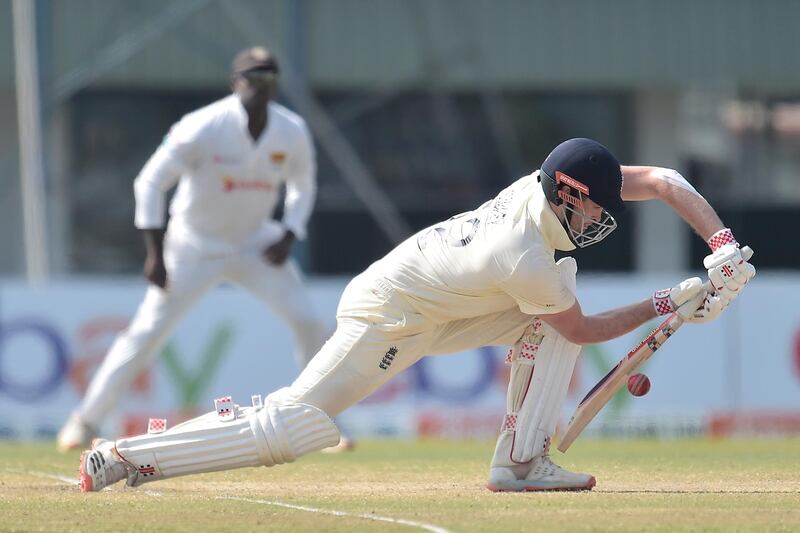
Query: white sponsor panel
(52, 339)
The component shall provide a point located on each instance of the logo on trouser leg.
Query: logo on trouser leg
(388, 357)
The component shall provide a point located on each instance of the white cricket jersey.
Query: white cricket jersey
(494, 258)
(228, 183)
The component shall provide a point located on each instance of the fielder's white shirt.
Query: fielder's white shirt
(228, 183)
(494, 258)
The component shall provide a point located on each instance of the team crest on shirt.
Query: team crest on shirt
(277, 157)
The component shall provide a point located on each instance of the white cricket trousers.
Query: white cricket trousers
(378, 335)
(189, 276)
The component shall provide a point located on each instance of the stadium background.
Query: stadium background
(420, 110)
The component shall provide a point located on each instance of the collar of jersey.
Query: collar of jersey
(546, 220)
(241, 112)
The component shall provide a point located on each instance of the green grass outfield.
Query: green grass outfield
(432, 485)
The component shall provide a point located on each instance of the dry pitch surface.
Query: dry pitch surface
(425, 486)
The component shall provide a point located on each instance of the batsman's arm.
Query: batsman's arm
(651, 183)
(645, 183)
(581, 329)
(686, 298)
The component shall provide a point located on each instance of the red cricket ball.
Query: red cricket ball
(638, 384)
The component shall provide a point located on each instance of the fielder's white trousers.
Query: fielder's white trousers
(379, 335)
(190, 275)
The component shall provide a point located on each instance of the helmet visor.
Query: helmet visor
(584, 229)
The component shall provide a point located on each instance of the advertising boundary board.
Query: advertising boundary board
(739, 374)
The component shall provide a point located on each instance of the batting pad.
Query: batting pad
(542, 363)
(270, 435)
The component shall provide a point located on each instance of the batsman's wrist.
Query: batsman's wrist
(721, 238)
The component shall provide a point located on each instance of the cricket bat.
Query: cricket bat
(616, 379)
(617, 376)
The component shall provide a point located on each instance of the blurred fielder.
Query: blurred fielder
(229, 160)
(486, 277)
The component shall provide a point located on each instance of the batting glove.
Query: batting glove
(692, 300)
(711, 307)
(728, 266)
(686, 297)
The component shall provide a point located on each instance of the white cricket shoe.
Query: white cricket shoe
(543, 474)
(101, 467)
(75, 435)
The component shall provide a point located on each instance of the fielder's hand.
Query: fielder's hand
(155, 271)
(278, 253)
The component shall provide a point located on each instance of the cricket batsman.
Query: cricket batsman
(229, 160)
(485, 277)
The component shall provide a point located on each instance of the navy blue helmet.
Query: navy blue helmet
(578, 169)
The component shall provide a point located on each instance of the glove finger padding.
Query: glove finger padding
(689, 308)
(749, 271)
(724, 277)
(730, 287)
(728, 267)
(709, 309)
(686, 290)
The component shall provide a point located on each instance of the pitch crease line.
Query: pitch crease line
(63, 479)
(377, 518)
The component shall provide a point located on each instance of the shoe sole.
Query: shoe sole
(86, 482)
(585, 488)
